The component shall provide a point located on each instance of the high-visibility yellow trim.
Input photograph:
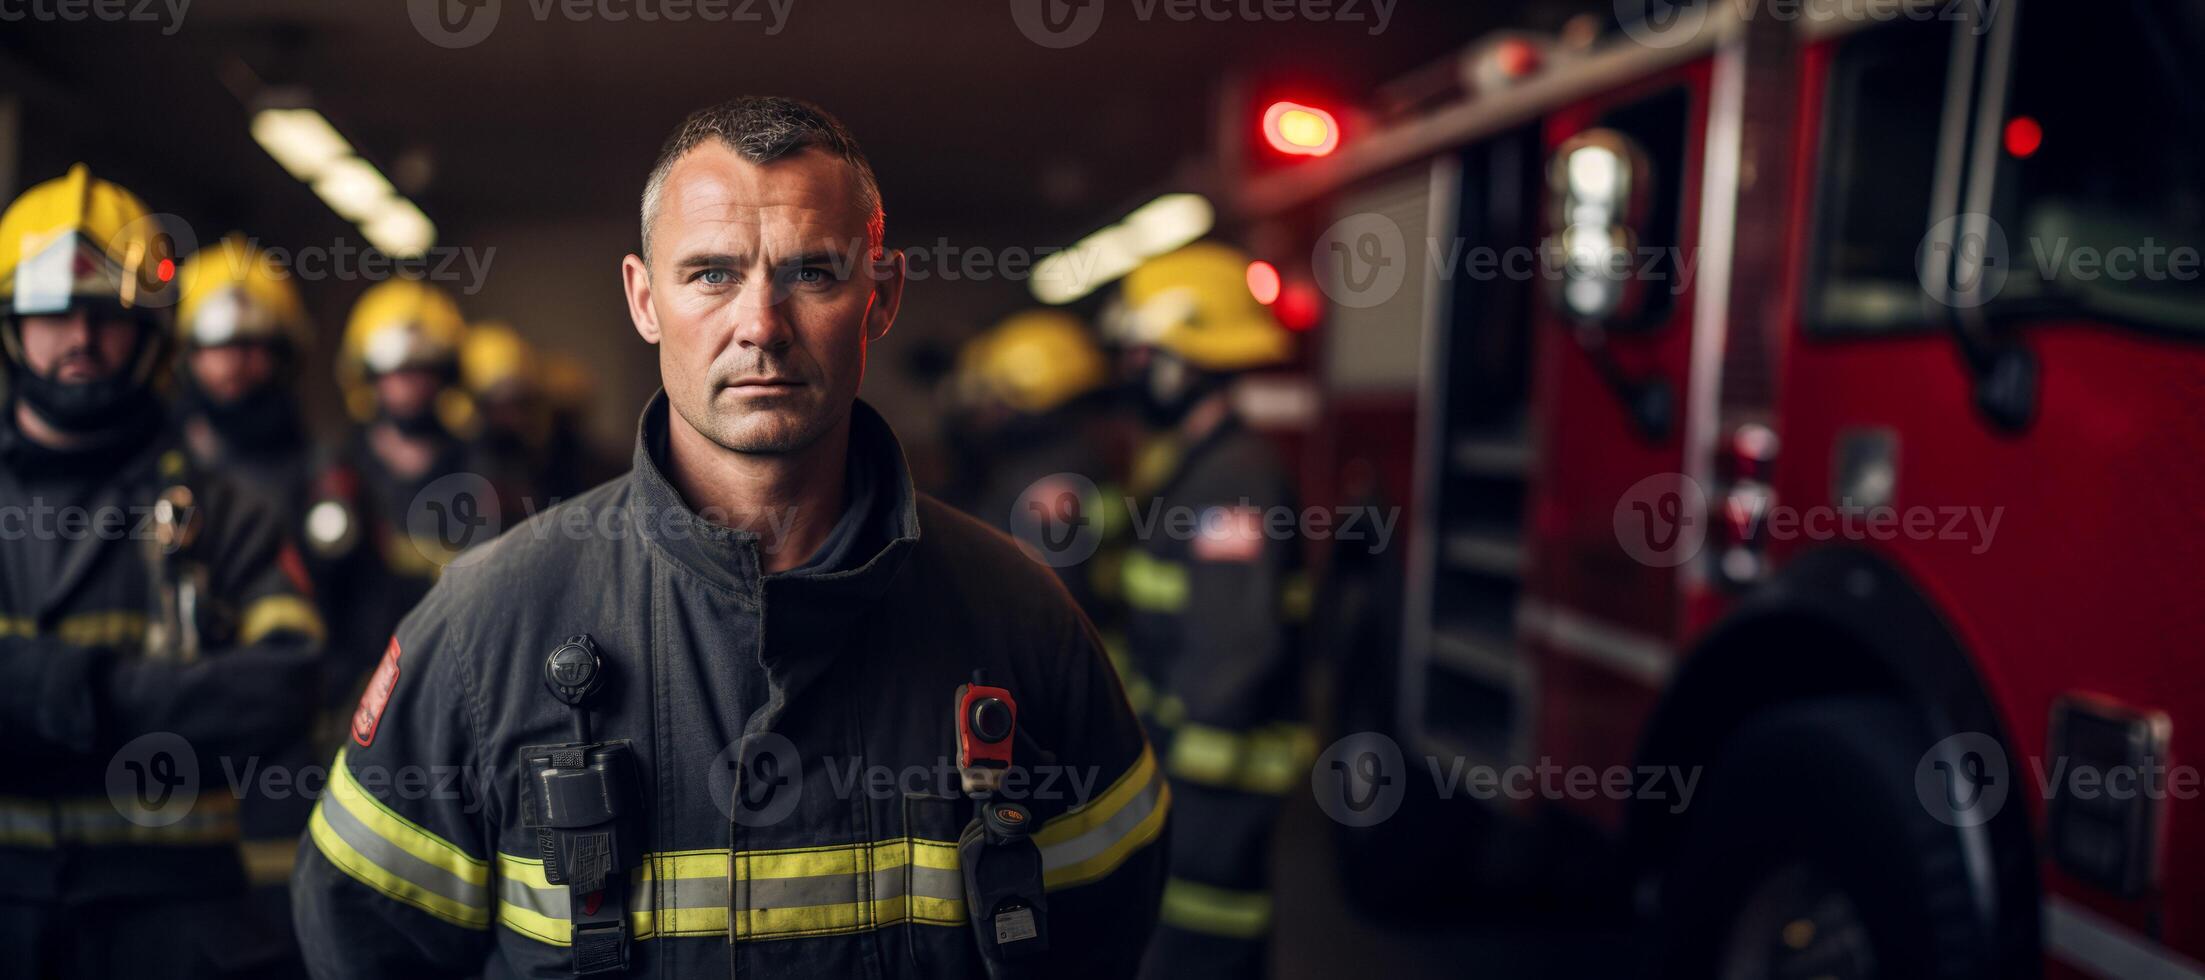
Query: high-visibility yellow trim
(1216, 911)
(1153, 584)
(121, 629)
(388, 828)
(98, 822)
(1106, 830)
(660, 909)
(268, 862)
(1297, 597)
(413, 838)
(17, 626)
(283, 611)
(1270, 759)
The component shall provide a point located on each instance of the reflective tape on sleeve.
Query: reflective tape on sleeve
(397, 857)
(1090, 841)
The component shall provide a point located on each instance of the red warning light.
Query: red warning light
(2023, 137)
(166, 270)
(1516, 57)
(1263, 281)
(1299, 307)
(1301, 130)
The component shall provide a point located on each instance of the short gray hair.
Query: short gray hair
(762, 129)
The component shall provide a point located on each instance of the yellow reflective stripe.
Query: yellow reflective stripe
(396, 856)
(106, 628)
(1278, 758)
(35, 822)
(1215, 911)
(102, 629)
(1090, 841)
(687, 893)
(1269, 759)
(1297, 597)
(283, 611)
(268, 862)
(1153, 584)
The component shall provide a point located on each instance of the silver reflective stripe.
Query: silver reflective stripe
(1103, 836)
(397, 861)
(756, 894)
(549, 902)
(2084, 938)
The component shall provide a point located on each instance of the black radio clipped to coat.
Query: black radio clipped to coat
(579, 798)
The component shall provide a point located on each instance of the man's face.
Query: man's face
(408, 393)
(761, 294)
(232, 371)
(78, 347)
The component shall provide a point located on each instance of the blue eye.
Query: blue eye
(715, 277)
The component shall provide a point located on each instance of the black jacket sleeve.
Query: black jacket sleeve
(395, 875)
(1102, 840)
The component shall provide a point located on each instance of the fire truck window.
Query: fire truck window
(1879, 151)
(2101, 182)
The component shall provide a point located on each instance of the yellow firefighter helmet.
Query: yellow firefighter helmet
(495, 354)
(400, 324)
(78, 238)
(1195, 303)
(234, 292)
(1033, 361)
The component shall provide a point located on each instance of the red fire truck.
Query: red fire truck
(1806, 399)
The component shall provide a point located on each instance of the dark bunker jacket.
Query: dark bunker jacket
(843, 670)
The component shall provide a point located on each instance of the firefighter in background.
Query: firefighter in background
(1212, 613)
(373, 549)
(573, 464)
(1034, 387)
(137, 661)
(244, 334)
(504, 377)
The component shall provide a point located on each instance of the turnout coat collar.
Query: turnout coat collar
(885, 509)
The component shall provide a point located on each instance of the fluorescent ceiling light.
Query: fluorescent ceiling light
(300, 139)
(1099, 259)
(399, 229)
(353, 187)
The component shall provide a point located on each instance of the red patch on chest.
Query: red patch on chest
(376, 697)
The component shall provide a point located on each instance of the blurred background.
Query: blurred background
(1774, 425)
